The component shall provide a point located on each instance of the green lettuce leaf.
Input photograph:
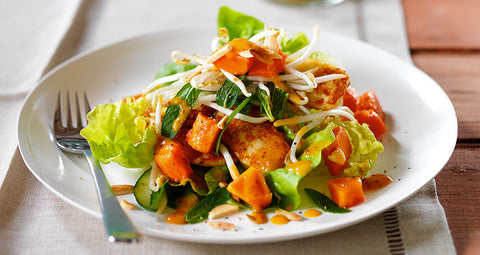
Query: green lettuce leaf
(294, 44)
(316, 142)
(365, 147)
(323, 56)
(172, 68)
(285, 184)
(239, 25)
(119, 132)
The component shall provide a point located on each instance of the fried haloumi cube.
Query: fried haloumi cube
(328, 94)
(256, 145)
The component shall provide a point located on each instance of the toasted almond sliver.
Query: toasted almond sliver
(246, 54)
(289, 215)
(222, 211)
(251, 218)
(219, 53)
(222, 225)
(126, 205)
(122, 189)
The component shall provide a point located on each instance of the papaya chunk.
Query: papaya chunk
(337, 154)
(269, 66)
(346, 192)
(204, 133)
(350, 98)
(234, 63)
(369, 101)
(252, 188)
(374, 121)
(173, 162)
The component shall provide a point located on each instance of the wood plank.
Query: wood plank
(459, 75)
(442, 24)
(458, 188)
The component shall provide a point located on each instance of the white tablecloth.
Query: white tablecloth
(38, 35)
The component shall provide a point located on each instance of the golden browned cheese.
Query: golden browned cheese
(207, 160)
(327, 95)
(256, 145)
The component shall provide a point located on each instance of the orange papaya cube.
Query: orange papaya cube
(234, 63)
(270, 66)
(252, 188)
(346, 192)
(204, 133)
(173, 162)
(337, 154)
(374, 121)
(350, 98)
(369, 101)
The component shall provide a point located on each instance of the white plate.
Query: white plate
(420, 117)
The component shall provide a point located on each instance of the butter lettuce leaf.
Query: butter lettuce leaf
(119, 132)
(239, 25)
(365, 147)
(294, 44)
(316, 142)
(285, 184)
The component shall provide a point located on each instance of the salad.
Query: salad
(263, 123)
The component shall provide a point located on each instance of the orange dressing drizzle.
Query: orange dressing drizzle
(279, 219)
(312, 213)
(258, 216)
(376, 181)
(183, 205)
(301, 167)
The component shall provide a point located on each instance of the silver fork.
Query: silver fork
(68, 138)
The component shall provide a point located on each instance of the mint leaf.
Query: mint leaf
(190, 95)
(265, 107)
(171, 114)
(158, 197)
(199, 212)
(216, 175)
(278, 98)
(227, 94)
(230, 118)
(324, 203)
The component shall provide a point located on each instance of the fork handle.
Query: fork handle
(117, 224)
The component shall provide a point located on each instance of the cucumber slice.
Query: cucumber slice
(145, 197)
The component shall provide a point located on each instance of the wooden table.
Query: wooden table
(444, 38)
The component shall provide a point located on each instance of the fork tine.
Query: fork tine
(79, 115)
(87, 104)
(57, 118)
(69, 113)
